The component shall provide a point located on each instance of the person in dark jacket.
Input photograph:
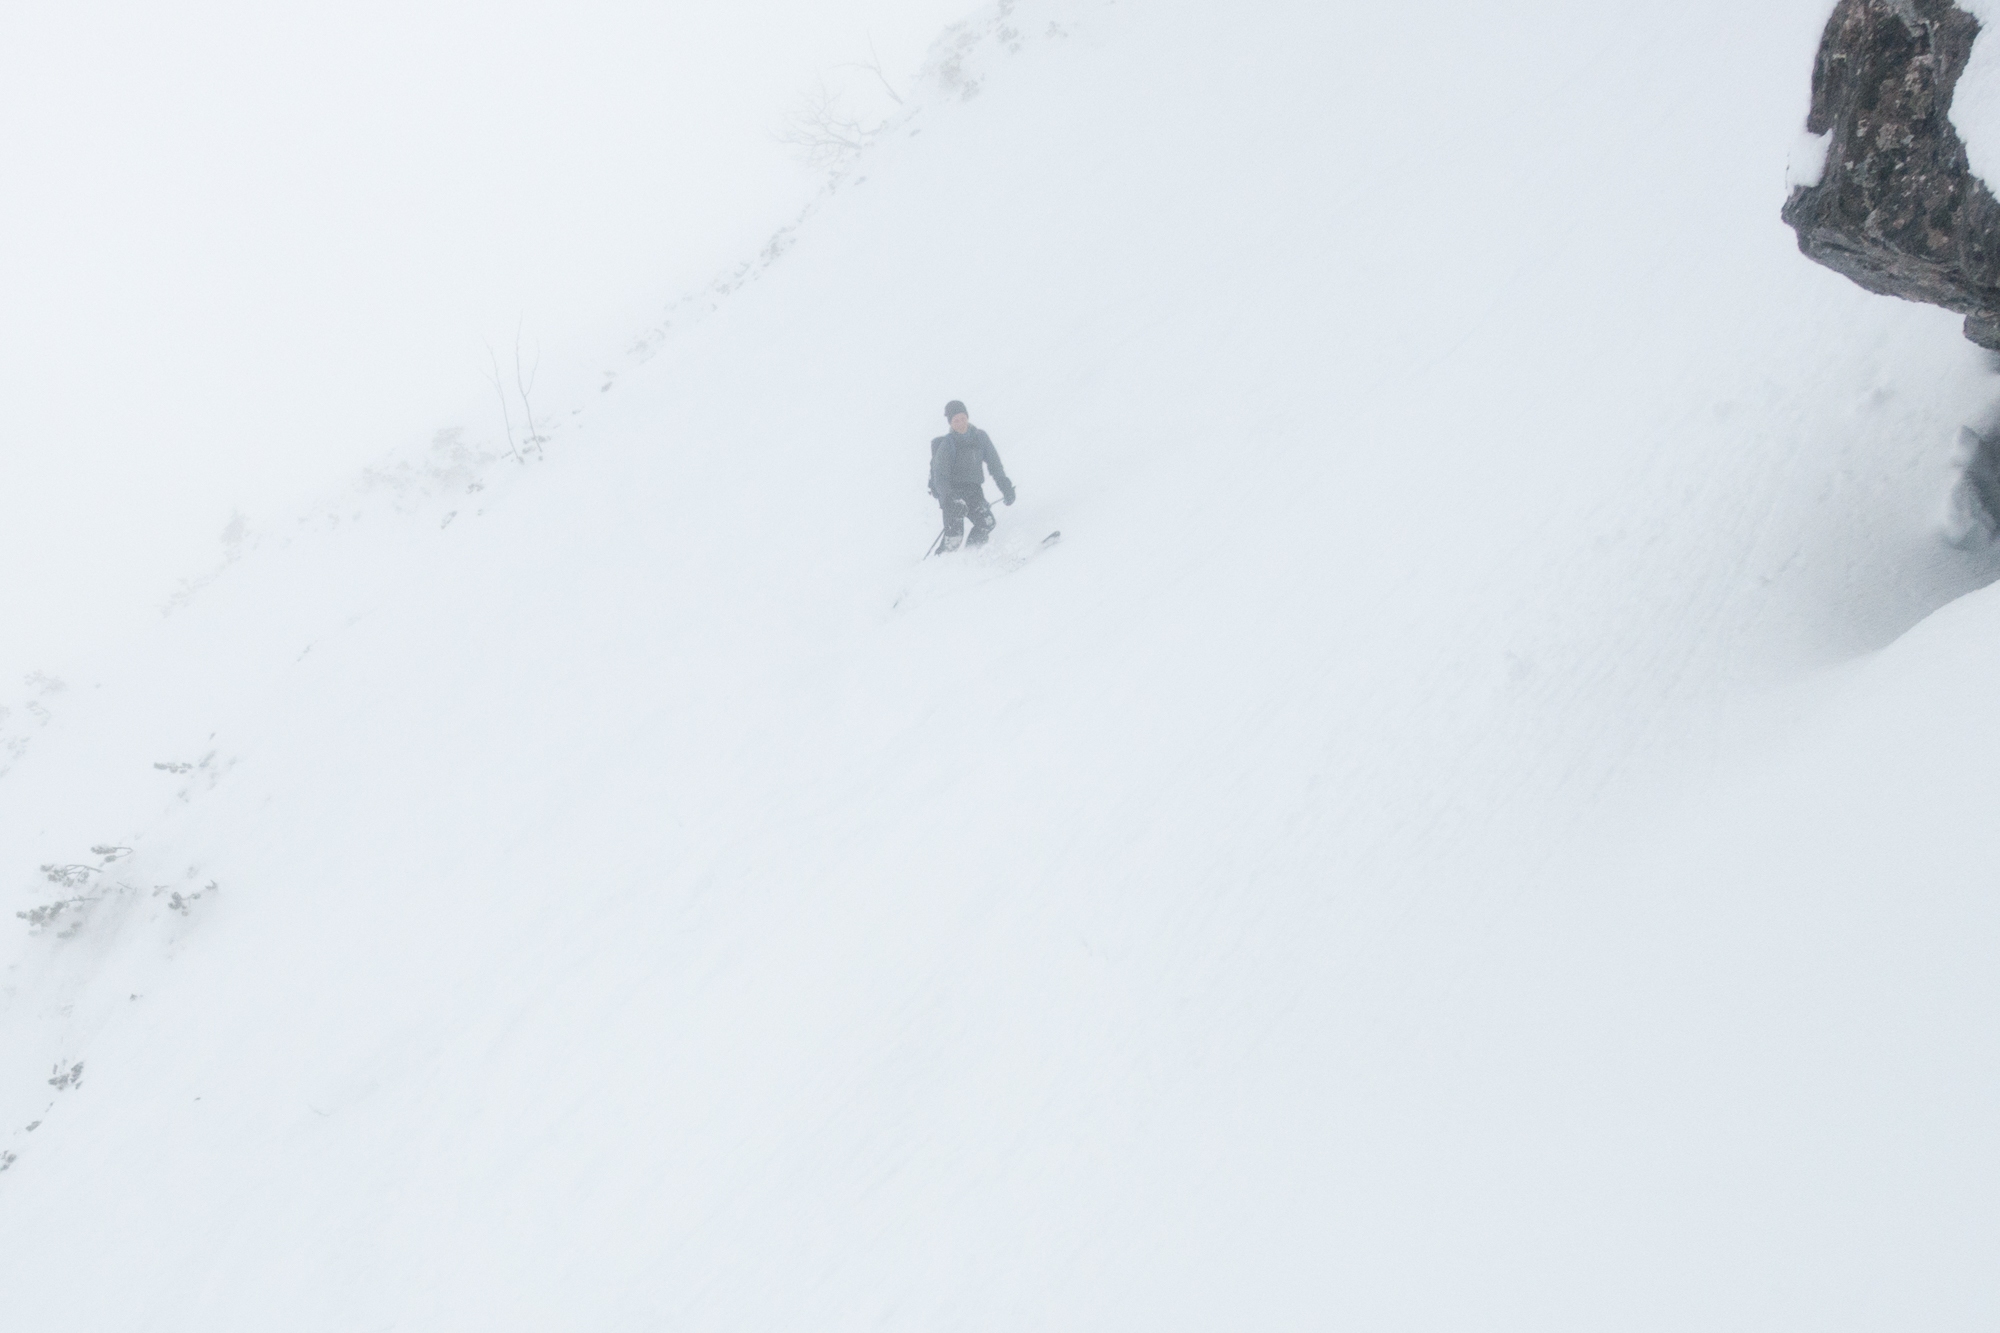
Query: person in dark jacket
(960, 460)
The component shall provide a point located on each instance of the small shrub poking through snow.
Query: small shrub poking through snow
(69, 876)
(91, 888)
(184, 902)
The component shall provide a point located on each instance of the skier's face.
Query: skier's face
(960, 422)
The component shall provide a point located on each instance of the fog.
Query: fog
(246, 248)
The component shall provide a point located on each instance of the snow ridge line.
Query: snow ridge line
(452, 474)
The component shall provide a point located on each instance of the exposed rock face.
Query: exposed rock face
(1898, 210)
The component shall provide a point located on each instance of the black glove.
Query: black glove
(1008, 498)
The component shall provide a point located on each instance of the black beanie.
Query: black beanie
(952, 409)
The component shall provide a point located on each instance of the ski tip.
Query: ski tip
(1052, 536)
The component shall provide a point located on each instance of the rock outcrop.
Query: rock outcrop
(1897, 209)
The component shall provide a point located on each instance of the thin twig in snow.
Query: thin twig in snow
(501, 389)
(526, 386)
(874, 66)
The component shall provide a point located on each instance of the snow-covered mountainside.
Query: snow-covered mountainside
(1460, 833)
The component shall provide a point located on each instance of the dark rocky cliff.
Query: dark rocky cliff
(1897, 209)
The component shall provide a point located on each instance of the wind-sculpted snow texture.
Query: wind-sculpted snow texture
(1418, 853)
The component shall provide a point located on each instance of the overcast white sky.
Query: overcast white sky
(244, 248)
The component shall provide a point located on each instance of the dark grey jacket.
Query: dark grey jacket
(958, 464)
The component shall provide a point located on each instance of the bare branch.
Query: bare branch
(823, 130)
(501, 390)
(873, 65)
(525, 386)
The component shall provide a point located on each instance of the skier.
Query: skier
(959, 462)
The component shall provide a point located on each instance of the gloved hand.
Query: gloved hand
(1008, 498)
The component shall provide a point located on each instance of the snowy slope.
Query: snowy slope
(647, 896)
(251, 248)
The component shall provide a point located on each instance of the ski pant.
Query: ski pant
(957, 509)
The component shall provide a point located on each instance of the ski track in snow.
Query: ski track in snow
(1356, 876)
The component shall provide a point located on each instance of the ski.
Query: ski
(976, 566)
